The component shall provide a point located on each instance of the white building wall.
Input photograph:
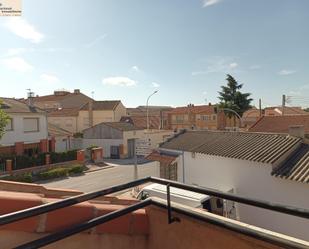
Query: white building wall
(18, 134)
(253, 180)
(83, 143)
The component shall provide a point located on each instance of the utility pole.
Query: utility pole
(260, 107)
(283, 103)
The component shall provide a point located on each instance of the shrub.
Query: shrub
(53, 173)
(63, 156)
(27, 177)
(77, 169)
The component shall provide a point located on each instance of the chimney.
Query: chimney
(30, 99)
(90, 110)
(297, 131)
(76, 91)
(209, 103)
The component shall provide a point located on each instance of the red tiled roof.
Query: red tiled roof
(102, 105)
(205, 109)
(280, 124)
(163, 158)
(52, 97)
(141, 121)
(295, 110)
(64, 112)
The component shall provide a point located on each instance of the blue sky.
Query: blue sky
(122, 49)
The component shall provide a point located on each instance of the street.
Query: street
(104, 178)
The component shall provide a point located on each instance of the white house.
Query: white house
(26, 129)
(270, 167)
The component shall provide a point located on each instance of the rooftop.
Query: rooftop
(280, 124)
(258, 147)
(102, 105)
(10, 105)
(54, 130)
(64, 112)
(199, 109)
(296, 167)
(141, 121)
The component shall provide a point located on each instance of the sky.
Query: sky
(121, 49)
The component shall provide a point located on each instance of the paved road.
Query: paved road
(105, 178)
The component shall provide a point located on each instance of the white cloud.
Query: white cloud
(95, 41)
(119, 81)
(22, 28)
(155, 85)
(204, 93)
(49, 78)
(17, 64)
(218, 64)
(286, 72)
(207, 3)
(233, 65)
(135, 68)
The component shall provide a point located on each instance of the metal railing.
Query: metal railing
(30, 212)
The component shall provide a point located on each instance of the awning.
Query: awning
(162, 158)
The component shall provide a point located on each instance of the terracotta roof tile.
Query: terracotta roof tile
(64, 112)
(141, 121)
(102, 105)
(10, 105)
(280, 124)
(201, 109)
(161, 157)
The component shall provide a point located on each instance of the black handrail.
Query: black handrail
(51, 238)
(45, 208)
(22, 214)
(37, 210)
(270, 238)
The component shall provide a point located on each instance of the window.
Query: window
(181, 118)
(9, 125)
(205, 117)
(214, 117)
(31, 124)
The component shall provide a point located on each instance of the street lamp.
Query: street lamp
(147, 108)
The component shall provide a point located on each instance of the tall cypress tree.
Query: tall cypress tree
(231, 97)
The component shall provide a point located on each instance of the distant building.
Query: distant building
(196, 118)
(279, 111)
(62, 137)
(94, 112)
(61, 99)
(158, 117)
(26, 131)
(250, 116)
(116, 138)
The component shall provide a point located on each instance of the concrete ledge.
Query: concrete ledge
(133, 223)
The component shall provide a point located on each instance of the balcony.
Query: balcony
(96, 220)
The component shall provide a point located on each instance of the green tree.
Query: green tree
(3, 120)
(306, 110)
(232, 98)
